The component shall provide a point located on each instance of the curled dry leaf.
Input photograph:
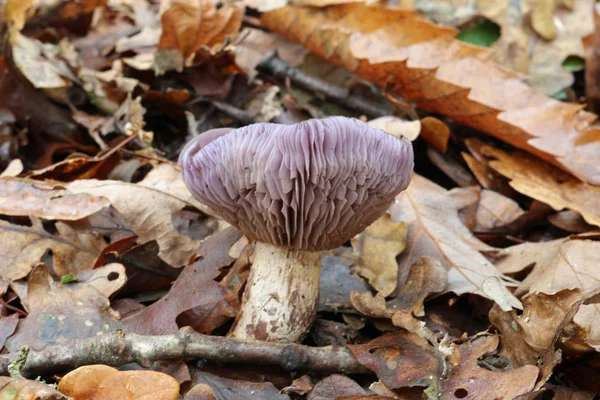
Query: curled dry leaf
(192, 27)
(100, 382)
(376, 249)
(447, 76)
(149, 213)
(559, 265)
(469, 380)
(527, 337)
(546, 183)
(25, 246)
(435, 230)
(400, 359)
(59, 314)
(22, 197)
(24, 389)
(426, 276)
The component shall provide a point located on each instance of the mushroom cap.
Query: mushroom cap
(309, 186)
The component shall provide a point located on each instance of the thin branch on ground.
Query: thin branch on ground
(119, 348)
(273, 65)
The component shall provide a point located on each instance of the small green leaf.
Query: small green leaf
(484, 34)
(68, 279)
(574, 63)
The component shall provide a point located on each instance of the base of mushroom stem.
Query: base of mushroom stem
(281, 296)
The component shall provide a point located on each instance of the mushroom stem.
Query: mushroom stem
(281, 296)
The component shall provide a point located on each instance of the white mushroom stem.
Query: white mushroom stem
(281, 296)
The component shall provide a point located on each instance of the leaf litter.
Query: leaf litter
(498, 229)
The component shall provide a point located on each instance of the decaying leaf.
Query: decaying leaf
(335, 386)
(59, 314)
(231, 389)
(527, 337)
(210, 305)
(435, 230)
(376, 249)
(469, 380)
(100, 382)
(450, 77)
(400, 359)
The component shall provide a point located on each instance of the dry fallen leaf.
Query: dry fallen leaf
(376, 249)
(335, 386)
(71, 251)
(234, 389)
(469, 380)
(526, 337)
(435, 230)
(192, 27)
(426, 276)
(495, 211)
(100, 382)
(450, 77)
(21, 197)
(400, 359)
(211, 305)
(149, 213)
(60, 313)
(546, 183)
(558, 265)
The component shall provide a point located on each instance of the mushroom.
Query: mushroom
(296, 190)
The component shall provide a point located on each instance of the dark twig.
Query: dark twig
(240, 115)
(275, 66)
(120, 348)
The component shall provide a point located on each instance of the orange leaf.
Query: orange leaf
(422, 62)
(191, 25)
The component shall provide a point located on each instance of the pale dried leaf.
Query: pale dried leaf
(148, 212)
(436, 230)
(376, 249)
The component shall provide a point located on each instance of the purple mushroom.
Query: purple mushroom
(296, 190)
